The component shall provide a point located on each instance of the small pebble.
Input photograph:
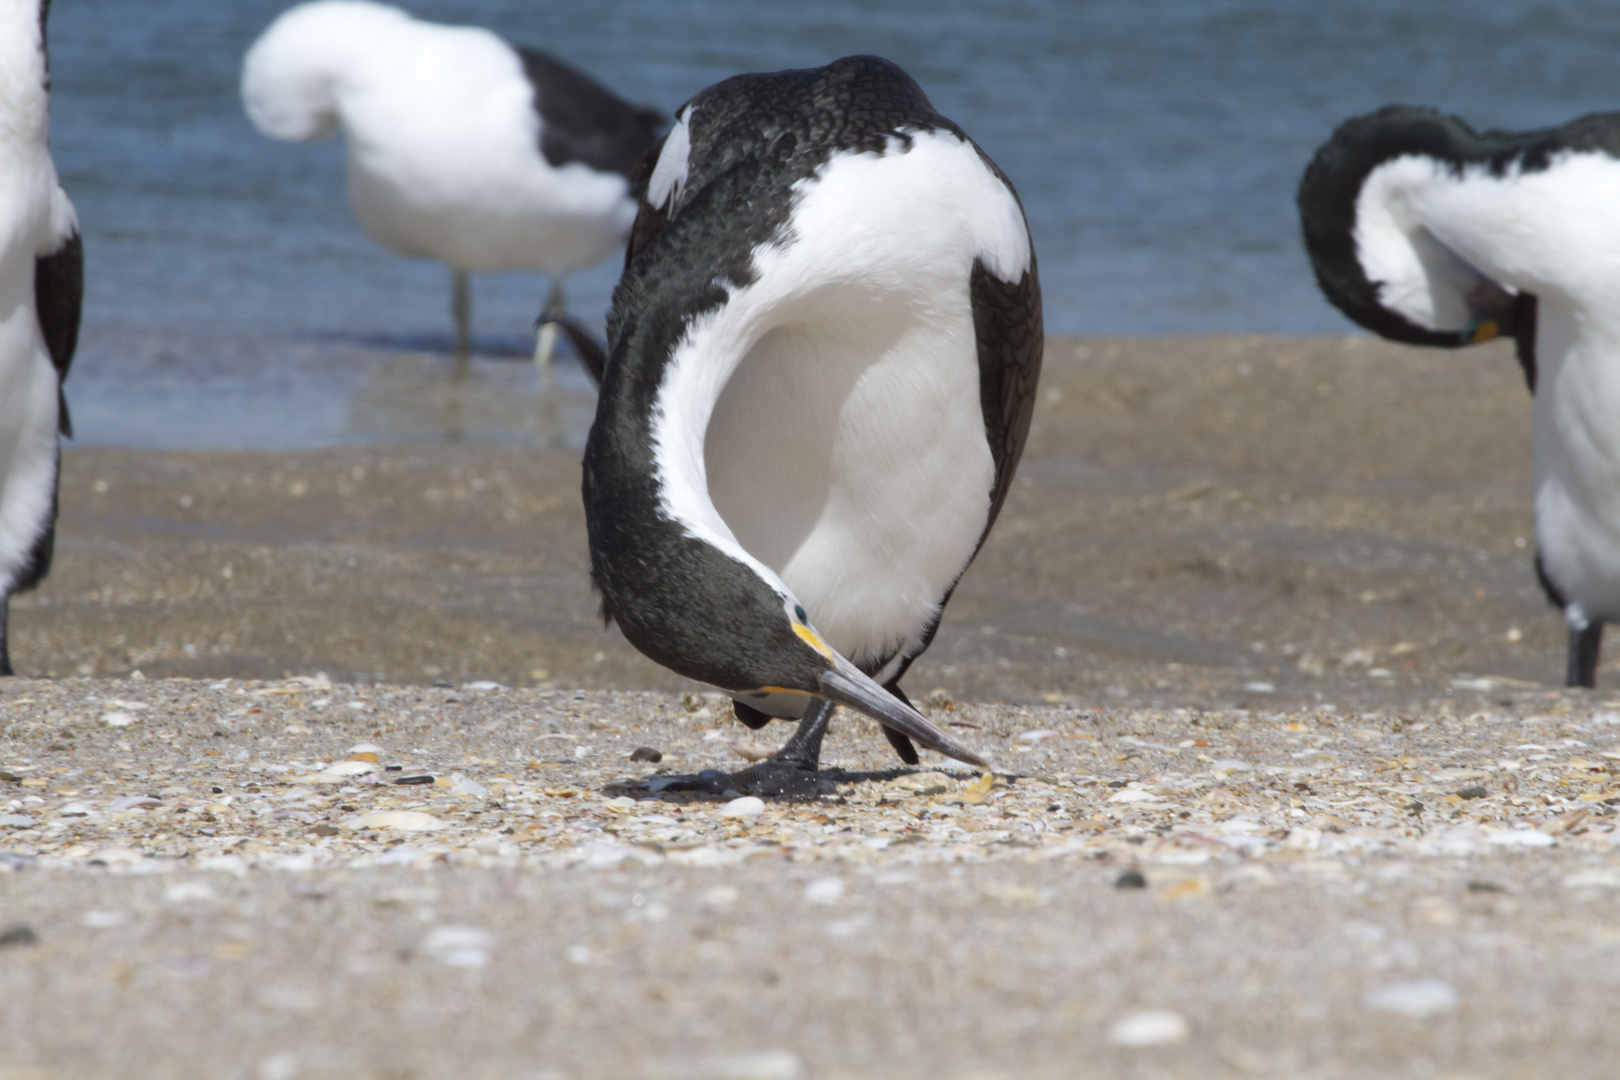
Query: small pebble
(768, 1065)
(747, 806)
(1131, 879)
(825, 891)
(423, 779)
(1418, 999)
(18, 934)
(1475, 792)
(646, 753)
(403, 820)
(1152, 1027)
(459, 946)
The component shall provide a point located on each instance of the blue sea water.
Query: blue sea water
(233, 302)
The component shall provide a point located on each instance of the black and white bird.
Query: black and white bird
(1427, 232)
(459, 146)
(41, 284)
(823, 359)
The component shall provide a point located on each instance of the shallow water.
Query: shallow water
(1156, 144)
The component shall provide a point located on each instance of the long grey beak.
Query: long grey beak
(848, 685)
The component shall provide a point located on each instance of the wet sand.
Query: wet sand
(1195, 520)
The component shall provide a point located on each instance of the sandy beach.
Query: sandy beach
(1193, 516)
(324, 765)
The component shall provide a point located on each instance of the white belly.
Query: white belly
(848, 454)
(28, 419)
(825, 422)
(1577, 464)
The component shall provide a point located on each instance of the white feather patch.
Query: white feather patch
(669, 173)
(824, 425)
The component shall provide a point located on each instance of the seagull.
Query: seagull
(1427, 232)
(459, 146)
(822, 363)
(41, 285)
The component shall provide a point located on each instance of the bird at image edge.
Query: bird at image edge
(459, 146)
(1427, 232)
(41, 287)
(823, 359)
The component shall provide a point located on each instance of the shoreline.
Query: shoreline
(1195, 519)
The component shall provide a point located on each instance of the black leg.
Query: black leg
(1583, 654)
(5, 648)
(803, 751)
(461, 311)
(792, 770)
(899, 739)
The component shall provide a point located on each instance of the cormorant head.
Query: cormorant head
(1374, 256)
(713, 617)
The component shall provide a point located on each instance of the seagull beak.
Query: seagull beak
(848, 685)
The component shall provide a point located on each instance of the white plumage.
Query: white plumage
(36, 223)
(845, 445)
(1553, 233)
(1427, 232)
(443, 133)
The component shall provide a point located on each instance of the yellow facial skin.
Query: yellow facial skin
(1485, 331)
(813, 639)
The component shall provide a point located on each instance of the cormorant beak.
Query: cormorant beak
(848, 685)
(1492, 310)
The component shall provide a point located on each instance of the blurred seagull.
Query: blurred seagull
(823, 359)
(1427, 232)
(41, 285)
(460, 146)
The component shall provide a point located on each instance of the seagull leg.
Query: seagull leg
(1583, 654)
(461, 311)
(547, 340)
(5, 648)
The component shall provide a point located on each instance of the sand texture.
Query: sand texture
(1284, 784)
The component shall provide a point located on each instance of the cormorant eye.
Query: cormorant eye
(798, 609)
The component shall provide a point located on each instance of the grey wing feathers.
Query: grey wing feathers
(58, 297)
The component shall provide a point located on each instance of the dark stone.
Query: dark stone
(324, 829)
(1485, 886)
(1130, 879)
(424, 779)
(646, 753)
(18, 934)
(1475, 792)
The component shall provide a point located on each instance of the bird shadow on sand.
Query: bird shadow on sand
(779, 784)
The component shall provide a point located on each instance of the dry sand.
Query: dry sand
(1278, 793)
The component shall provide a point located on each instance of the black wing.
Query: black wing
(582, 120)
(1012, 341)
(58, 297)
